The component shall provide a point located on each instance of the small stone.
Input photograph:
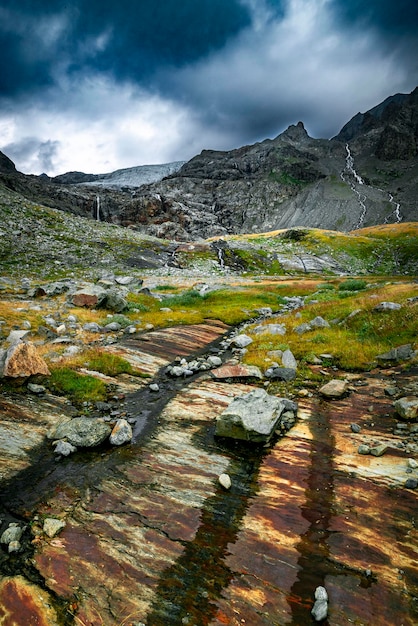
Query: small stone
(320, 610)
(214, 361)
(355, 428)
(411, 483)
(319, 322)
(225, 481)
(65, 448)
(378, 450)
(14, 546)
(363, 449)
(336, 388)
(154, 387)
(53, 526)
(302, 328)
(121, 433)
(412, 463)
(36, 389)
(321, 593)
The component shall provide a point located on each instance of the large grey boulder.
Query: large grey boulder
(89, 296)
(251, 417)
(83, 432)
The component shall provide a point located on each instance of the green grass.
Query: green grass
(76, 387)
(356, 341)
(352, 284)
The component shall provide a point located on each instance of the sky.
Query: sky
(99, 85)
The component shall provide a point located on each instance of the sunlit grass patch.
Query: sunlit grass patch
(354, 341)
(77, 387)
(100, 360)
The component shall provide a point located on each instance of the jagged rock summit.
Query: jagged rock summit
(366, 175)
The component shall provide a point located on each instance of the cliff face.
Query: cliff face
(366, 175)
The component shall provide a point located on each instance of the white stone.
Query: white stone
(225, 481)
(53, 526)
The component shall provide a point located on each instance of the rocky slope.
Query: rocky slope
(366, 175)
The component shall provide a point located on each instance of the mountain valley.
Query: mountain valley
(133, 318)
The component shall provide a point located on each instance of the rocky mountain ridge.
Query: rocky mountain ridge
(364, 176)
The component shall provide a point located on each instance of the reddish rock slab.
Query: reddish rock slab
(23, 603)
(178, 340)
(240, 371)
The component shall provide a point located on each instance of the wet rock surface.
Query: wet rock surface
(152, 536)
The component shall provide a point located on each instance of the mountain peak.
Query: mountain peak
(296, 132)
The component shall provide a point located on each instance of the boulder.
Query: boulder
(407, 407)
(387, 306)
(114, 301)
(22, 360)
(241, 341)
(319, 322)
(334, 389)
(251, 417)
(280, 373)
(401, 353)
(271, 329)
(89, 296)
(303, 328)
(83, 432)
(288, 360)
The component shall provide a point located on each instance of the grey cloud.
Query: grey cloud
(37, 155)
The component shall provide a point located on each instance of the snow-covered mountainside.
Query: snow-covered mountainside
(135, 176)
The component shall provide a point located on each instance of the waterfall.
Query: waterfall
(396, 212)
(349, 167)
(221, 258)
(98, 208)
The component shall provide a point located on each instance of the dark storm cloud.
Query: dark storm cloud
(99, 84)
(128, 38)
(390, 17)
